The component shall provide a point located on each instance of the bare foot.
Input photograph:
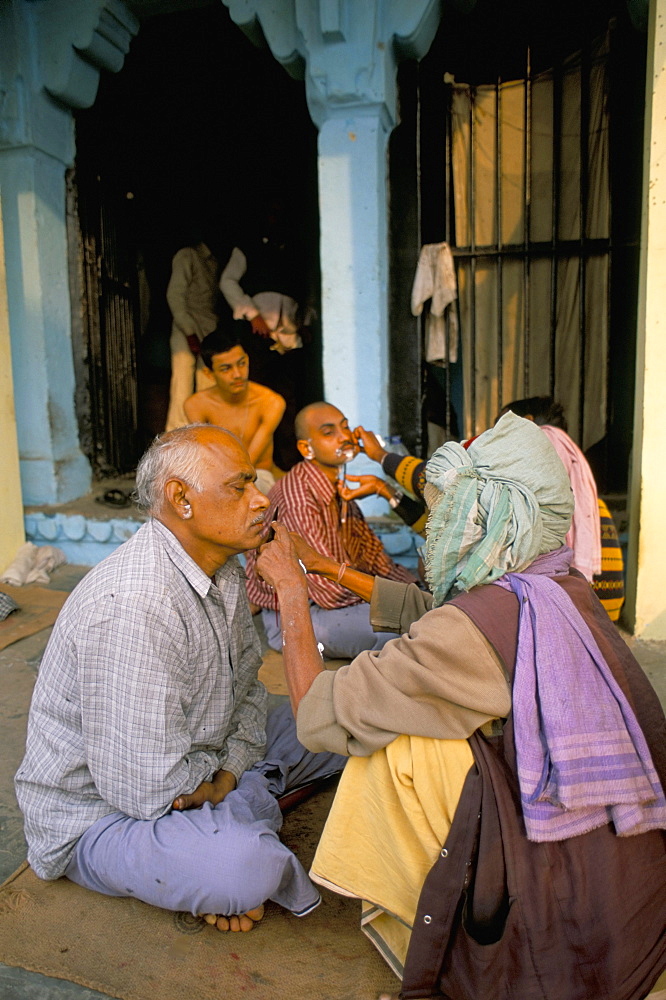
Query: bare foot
(237, 922)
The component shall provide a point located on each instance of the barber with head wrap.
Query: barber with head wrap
(502, 813)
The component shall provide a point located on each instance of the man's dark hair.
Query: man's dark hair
(542, 409)
(224, 338)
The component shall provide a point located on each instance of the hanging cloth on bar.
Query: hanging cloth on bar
(435, 279)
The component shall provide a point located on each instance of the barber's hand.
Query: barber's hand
(371, 445)
(368, 486)
(278, 562)
(260, 326)
(208, 791)
(194, 344)
(313, 561)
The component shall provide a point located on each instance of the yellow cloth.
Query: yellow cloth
(609, 584)
(389, 819)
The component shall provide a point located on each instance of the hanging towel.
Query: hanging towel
(435, 279)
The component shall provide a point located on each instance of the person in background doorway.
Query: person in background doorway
(193, 297)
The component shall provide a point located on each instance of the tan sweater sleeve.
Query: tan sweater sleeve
(395, 606)
(441, 680)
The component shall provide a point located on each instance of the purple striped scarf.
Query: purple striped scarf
(581, 756)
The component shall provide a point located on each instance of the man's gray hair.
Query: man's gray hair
(174, 455)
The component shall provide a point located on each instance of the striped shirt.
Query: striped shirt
(148, 686)
(306, 501)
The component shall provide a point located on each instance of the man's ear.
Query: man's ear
(176, 494)
(305, 449)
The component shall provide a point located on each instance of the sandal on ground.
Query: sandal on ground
(114, 498)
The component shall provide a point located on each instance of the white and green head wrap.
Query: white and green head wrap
(493, 508)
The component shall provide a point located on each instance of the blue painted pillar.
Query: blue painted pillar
(32, 184)
(354, 265)
(50, 58)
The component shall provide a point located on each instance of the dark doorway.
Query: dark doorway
(198, 126)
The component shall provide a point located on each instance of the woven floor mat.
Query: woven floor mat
(38, 608)
(133, 951)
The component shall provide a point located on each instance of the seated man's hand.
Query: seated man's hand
(371, 445)
(368, 486)
(194, 344)
(278, 563)
(208, 791)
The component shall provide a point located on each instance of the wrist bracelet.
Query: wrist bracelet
(341, 572)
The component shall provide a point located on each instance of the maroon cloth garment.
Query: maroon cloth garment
(503, 918)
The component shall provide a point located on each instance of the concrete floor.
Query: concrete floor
(18, 668)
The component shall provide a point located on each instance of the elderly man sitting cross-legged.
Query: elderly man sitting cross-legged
(151, 769)
(307, 501)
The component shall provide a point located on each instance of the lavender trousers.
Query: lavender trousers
(223, 859)
(343, 632)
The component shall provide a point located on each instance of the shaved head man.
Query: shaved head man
(307, 501)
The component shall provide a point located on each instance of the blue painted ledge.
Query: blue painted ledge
(84, 540)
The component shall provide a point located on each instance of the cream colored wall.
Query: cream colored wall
(11, 504)
(646, 564)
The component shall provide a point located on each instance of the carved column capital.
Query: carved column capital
(347, 51)
(76, 39)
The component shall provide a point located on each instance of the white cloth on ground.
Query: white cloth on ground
(32, 564)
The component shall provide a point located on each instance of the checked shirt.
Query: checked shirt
(148, 686)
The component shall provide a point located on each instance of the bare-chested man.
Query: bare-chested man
(247, 409)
